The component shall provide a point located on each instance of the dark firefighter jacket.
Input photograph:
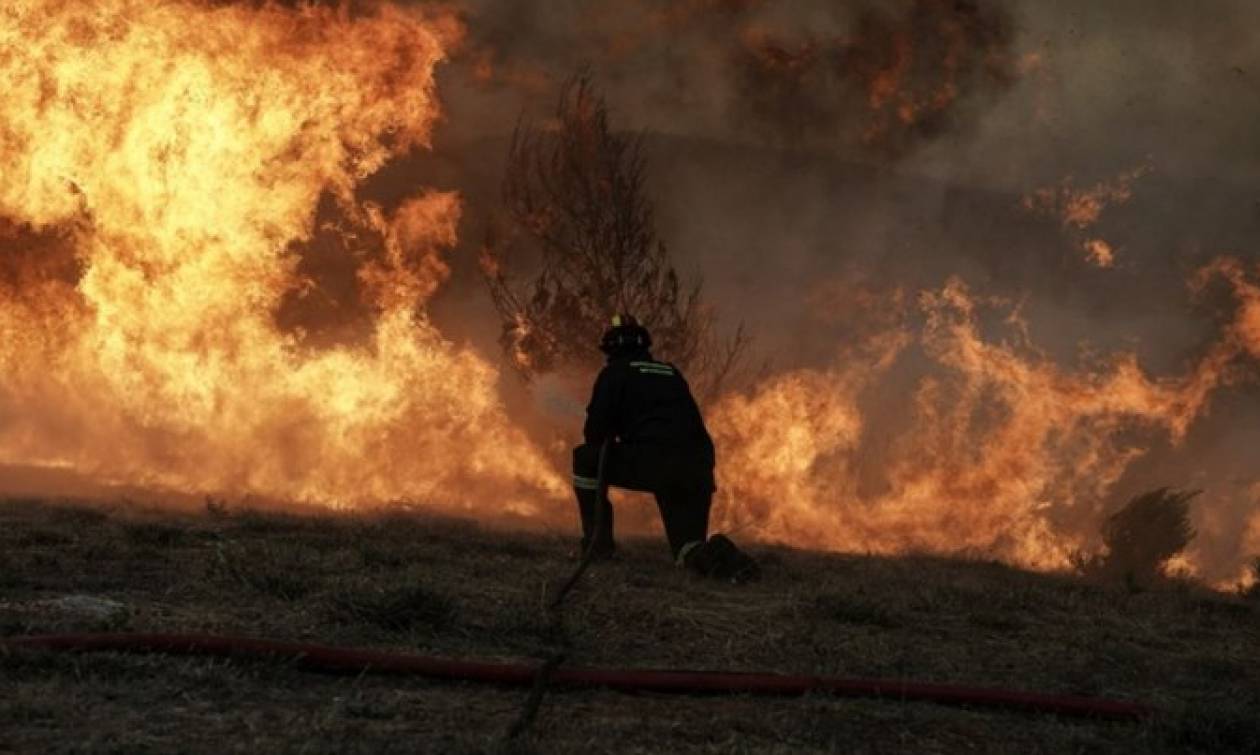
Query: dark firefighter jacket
(642, 402)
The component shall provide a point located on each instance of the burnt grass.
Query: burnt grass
(418, 583)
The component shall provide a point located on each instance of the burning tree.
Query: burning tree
(575, 197)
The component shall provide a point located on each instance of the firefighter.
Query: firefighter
(658, 444)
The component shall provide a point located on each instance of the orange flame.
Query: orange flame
(1080, 209)
(1007, 452)
(180, 148)
(1099, 252)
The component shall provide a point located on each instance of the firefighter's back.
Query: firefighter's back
(658, 407)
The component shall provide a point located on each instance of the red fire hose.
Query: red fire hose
(351, 661)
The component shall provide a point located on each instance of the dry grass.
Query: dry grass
(448, 587)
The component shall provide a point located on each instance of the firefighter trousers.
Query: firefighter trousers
(680, 479)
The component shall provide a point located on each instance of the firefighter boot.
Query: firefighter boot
(720, 559)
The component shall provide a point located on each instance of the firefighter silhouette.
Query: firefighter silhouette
(658, 444)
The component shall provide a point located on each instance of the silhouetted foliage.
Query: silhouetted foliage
(1141, 537)
(574, 194)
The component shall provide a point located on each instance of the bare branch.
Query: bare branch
(575, 191)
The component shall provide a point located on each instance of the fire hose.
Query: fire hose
(555, 620)
(549, 672)
(334, 660)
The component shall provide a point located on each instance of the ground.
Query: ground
(416, 583)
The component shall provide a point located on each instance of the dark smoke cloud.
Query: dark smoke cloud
(1042, 88)
(862, 77)
(890, 80)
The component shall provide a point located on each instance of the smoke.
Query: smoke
(873, 79)
(884, 80)
(1122, 82)
(1031, 88)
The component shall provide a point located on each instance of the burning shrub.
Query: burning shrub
(575, 197)
(1140, 538)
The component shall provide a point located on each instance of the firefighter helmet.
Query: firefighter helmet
(625, 334)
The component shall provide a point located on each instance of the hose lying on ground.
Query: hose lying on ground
(555, 620)
(328, 659)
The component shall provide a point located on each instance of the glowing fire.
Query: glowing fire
(1008, 454)
(1079, 209)
(1099, 252)
(177, 149)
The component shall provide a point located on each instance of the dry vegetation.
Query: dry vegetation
(421, 584)
(1141, 538)
(575, 201)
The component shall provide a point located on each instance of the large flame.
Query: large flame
(1008, 454)
(177, 150)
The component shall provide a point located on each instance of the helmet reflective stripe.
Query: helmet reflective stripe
(585, 483)
(650, 371)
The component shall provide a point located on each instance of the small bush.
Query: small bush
(1141, 537)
